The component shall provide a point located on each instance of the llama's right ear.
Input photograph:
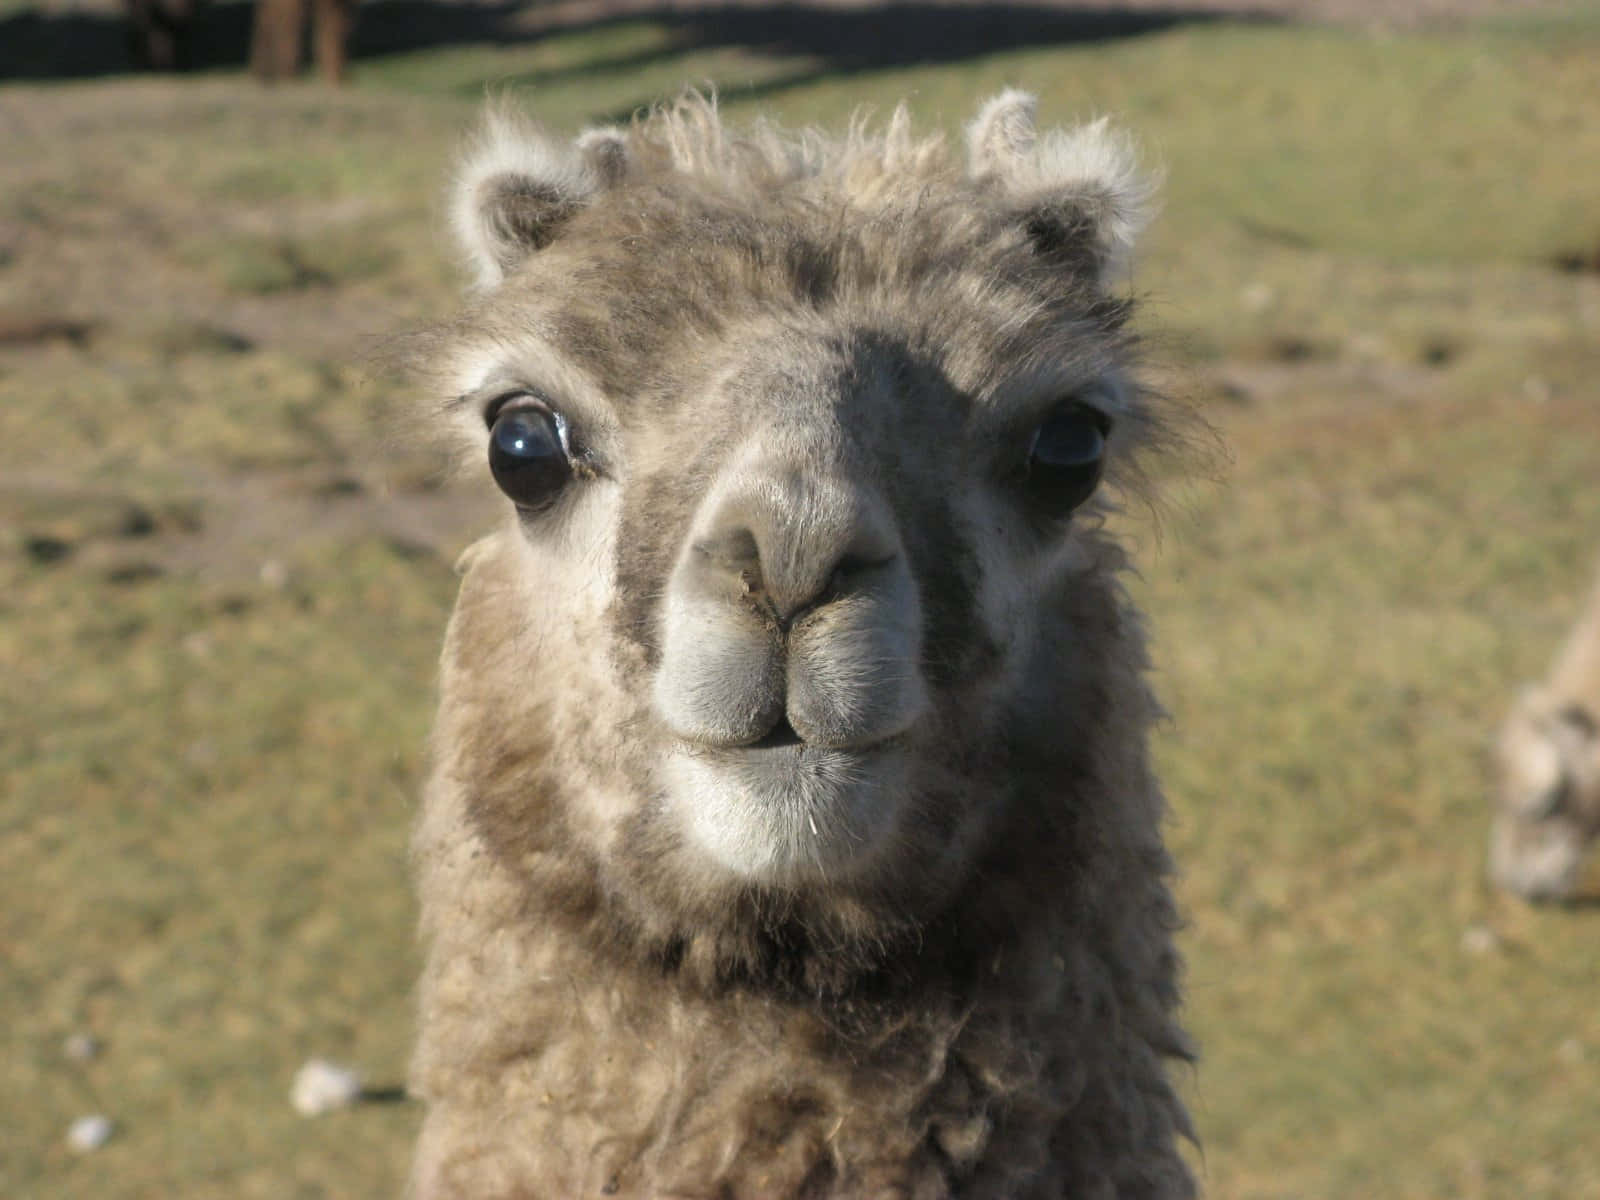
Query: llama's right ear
(516, 188)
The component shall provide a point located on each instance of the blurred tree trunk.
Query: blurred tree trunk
(279, 33)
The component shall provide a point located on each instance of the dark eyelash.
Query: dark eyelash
(500, 402)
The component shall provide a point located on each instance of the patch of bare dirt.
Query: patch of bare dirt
(236, 526)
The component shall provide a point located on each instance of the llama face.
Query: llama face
(806, 506)
(827, 613)
(787, 686)
(1549, 798)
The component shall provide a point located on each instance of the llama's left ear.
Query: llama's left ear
(517, 187)
(1079, 192)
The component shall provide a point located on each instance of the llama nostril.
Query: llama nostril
(848, 577)
(734, 550)
(790, 541)
(733, 554)
(848, 572)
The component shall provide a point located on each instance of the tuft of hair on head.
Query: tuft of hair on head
(1080, 192)
(516, 186)
(604, 150)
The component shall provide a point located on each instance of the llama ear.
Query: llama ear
(604, 151)
(1002, 134)
(1078, 193)
(517, 187)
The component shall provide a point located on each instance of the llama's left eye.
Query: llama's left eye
(1549, 803)
(1067, 457)
(528, 454)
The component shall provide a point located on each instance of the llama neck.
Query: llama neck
(606, 1074)
(610, 1077)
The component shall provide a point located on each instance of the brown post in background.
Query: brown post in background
(333, 21)
(276, 40)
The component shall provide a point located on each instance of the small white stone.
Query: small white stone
(274, 574)
(321, 1086)
(1479, 939)
(90, 1133)
(81, 1047)
(1258, 297)
(1570, 1052)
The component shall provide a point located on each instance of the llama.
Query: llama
(1548, 798)
(792, 830)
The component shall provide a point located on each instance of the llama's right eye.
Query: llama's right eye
(528, 454)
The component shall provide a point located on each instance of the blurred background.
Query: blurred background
(225, 546)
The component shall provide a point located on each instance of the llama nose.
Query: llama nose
(793, 542)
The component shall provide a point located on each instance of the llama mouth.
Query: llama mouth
(783, 743)
(780, 736)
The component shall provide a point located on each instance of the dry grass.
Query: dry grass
(207, 768)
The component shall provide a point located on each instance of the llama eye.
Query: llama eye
(528, 454)
(1549, 803)
(1066, 458)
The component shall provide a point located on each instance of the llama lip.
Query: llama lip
(790, 813)
(783, 744)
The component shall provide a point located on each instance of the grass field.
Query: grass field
(225, 566)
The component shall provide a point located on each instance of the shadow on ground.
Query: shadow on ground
(842, 38)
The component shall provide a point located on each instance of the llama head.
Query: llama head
(1548, 800)
(807, 446)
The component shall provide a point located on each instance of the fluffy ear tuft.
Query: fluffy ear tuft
(604, 150)
(1002, 134)
(514, 191)
(1079, 192)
